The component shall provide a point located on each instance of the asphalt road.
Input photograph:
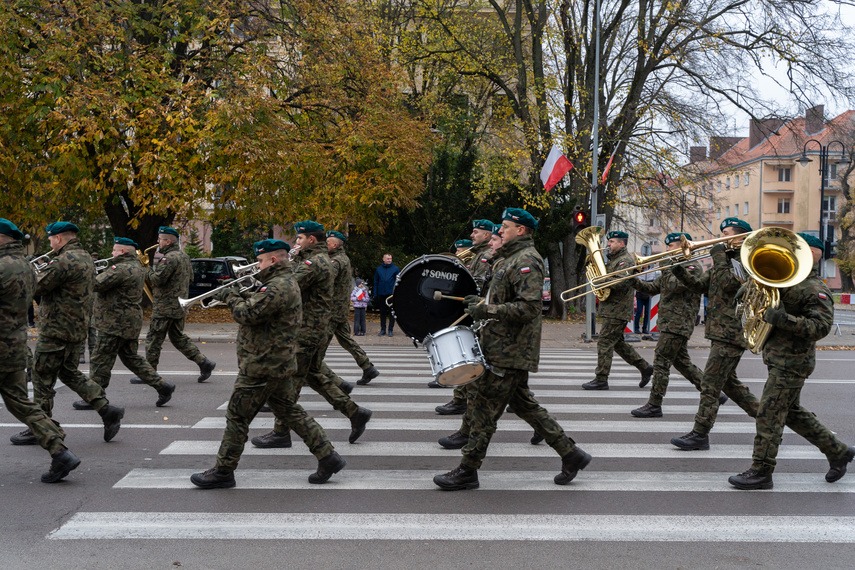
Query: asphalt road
(640, 504)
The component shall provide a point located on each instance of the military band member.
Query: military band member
(17, 283)
(510, 341)
(342, 287)
(170, 279)
(269, 319)
(65, 287)
(313, 272)
(805, 315)
(616, 312)
(118, 318)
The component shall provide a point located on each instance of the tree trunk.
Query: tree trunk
(121, 211)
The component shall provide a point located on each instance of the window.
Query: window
(709, 227)
(719, 186)
(727, 183)
(718, 214)
(783, 205)
(783, 174)
(727, 211)
(709, 207)
(745, 180)
(829, 207)
(745, 209)
(826, 178)
(736, 181)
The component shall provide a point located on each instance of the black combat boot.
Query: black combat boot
(692, 441)
(165, 394)
(136, 380)
(272, 439)
(213, 478)
(435, 384)
(596, 385)
(458, 479)
(25, 437)
(205, 368)
(536, 438)
(358, 422)
(327, 467)
(451, 409)
(648, 410)
(837, 469)
(62, 463)
(368, 375)
(752, 480)
(722, 399)
(646, 374)
(457, 440)
(112, 416)
(346, 387)
(81, 405)
(571, 464)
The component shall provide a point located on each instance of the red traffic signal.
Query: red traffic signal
(581, 219)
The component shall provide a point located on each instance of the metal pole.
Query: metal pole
(595, 132)
(823, 167)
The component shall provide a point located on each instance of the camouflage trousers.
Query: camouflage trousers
(671, 349)
(465, 393)
(13, 389)
(107, 348)
(779, 405)
(91, 340)
(158, 329)
(611, 341)
(56, 358)
(493, 396)
(248, 396)
(720, 376)
(341, 330)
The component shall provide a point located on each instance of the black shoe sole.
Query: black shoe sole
(217, 485)
(757, 487)
(685, 447)
(450, 411)
(56, 477)
(27, 441)
(79, 406)
(602, 387)
(356, 432)
(271, 445)
(446, 487)
(317, 478)
(645, 415)
(453, 445)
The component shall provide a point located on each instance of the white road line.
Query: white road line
(101, 426)
(389, 526)
(640, 396)
(323, 406)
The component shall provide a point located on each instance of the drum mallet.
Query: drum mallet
(438, 296)
(455, 323)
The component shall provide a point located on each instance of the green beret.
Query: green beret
(60, 227)
(308, 227)
(617, 234)
(496, 228)
(672, 237)
(167, 230)
(483, 225)
(268, 245)
(335, 234)
(10, 229)
(519, 216)
(813, 241)
(125, 241)
(735, 222)
(463, 243)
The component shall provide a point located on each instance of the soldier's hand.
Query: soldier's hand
(477, 312)
(223, 295)
(740, 293)
(679, 270)
(718, 248)
(775, 316)
(471, 300)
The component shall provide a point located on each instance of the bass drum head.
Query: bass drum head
(415, 309)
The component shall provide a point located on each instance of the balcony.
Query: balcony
(654, 230)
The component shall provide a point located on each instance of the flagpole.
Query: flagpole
(595, 132)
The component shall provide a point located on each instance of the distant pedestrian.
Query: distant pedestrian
(384, 284)
(359, 297)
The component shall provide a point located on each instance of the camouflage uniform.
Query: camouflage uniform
(16, 295)
(65, 287)
(269, 319)
(789, 354)
(92, 337)
(341, 309)
(511, 346)
(118, 318)
(170, 279)
(724, 330)
(676, 321)
(615, 312)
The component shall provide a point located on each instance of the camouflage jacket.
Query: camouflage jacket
(17, 282)
(269, 317)
(678, 306)
(810, 315)
(65, 287)
(720, 284)
(618, 305)
(342, 284)
(515, 300)
(170, 279)
(119, 290)
(480, 265)
(315, 275)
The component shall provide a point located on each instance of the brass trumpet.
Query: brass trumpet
(102, 264)
(187, 303)
(238, 269)
(39, 267)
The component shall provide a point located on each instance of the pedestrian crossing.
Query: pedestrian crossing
(634, 466)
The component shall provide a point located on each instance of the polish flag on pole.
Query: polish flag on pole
(609, 166)
(554, 169)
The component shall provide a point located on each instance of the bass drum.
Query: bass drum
(413, 305)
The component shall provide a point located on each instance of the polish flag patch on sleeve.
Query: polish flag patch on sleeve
(823, 296)
(308, 262)
(525, 270)
(263, 289)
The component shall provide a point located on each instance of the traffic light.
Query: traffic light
(830, 249)
(581, 219)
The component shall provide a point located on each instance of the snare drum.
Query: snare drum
(455, 356)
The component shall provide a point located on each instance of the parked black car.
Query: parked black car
(209, 273)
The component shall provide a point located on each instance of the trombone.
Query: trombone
(39, 267)
(187, 303)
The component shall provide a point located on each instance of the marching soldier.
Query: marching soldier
(510, 341)
(170, 279)
(805, 315)
(17, 283)
(616, 311)
(269, 319)
(118, 318)
(65, 287)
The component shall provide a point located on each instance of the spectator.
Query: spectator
(642, 304)
(384, 284)
(359, 298)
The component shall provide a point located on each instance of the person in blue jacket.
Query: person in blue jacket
(384, 283)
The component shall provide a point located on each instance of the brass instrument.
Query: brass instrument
(39, 267)
(143, 257)
(595, 269)
(238, 269)
(292, 252)
(466, 256)
(187, 303)
(102, 264)
(773, 258)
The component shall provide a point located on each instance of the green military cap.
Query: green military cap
(168, 230)
(519, 216)
(735, 222)
(10, 229)
(268, 245)
(617, 234)
(335, 234)
(496, 228)
(813, 241)
(126, 241)
(675, 236)
(308, 227)
(463, 243)
(483, 225)
(60, 227)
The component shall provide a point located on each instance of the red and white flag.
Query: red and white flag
(554, 169)
(361, 295)
(609, 166)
